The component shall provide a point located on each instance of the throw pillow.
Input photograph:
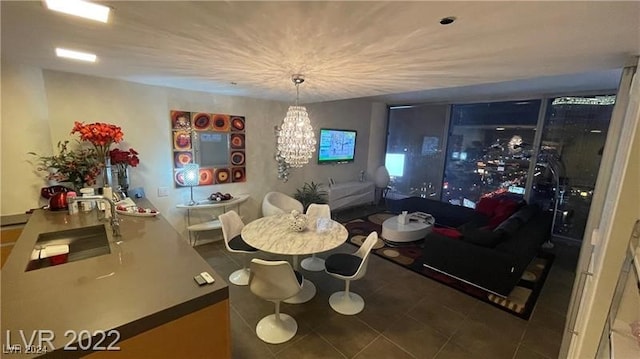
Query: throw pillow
(487, 205)
(482, 237)
(447, 232)
(503, 210)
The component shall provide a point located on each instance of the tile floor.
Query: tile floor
(406, 316)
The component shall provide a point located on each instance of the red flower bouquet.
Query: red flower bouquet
(101, 135)
(122, 160)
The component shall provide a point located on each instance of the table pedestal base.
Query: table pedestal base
(313, 264)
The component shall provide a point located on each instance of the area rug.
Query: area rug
(520, 301)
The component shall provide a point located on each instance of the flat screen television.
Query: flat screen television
(336, 146)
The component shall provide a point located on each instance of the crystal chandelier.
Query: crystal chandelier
(296, 142)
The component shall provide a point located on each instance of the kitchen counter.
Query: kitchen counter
(14, 219)
(145, 282)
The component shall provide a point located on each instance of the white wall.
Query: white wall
(377, 137)
(351, 115)
(58, 99)
(24, 129)
(620, 211)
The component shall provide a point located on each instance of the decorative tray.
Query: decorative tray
(135, 213)
(211, 201)
(132, 210)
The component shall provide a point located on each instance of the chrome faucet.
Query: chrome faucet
(115, 222)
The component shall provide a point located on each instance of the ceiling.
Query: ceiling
(392, 51)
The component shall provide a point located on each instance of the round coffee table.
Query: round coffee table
(393, 231)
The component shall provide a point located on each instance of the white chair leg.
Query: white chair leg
(345, 302)
(277, 328)
(313, 263)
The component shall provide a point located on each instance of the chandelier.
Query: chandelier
(296, 142)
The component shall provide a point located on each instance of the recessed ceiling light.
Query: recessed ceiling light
(447, 20)
(499, 128)
(80, 8)
(76, 55)
(596, 131)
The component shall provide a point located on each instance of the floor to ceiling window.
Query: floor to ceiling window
(489, 150)
(574, 134)
(414, 156)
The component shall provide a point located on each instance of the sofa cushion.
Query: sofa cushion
(526, 213)
(509, 227)
(475, 223)
(447, 232)
(482, 237)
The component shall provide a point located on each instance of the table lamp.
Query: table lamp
(191, 177)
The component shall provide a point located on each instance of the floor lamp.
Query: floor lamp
(556, 199)
(382, 181)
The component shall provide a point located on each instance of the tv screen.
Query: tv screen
(336, 146)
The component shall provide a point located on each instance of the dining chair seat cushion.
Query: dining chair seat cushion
(238, 244)
(343, 264)
(299, 277)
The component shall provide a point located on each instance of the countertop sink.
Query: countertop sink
(83, 243)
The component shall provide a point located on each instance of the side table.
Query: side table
(214, 223)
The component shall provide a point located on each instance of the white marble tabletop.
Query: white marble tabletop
(272, 234)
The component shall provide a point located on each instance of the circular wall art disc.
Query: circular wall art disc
(223, 175)
(206, 176)
(237, 158)
(238, 174)
(179, 177)
(237, 123)
(201, 121)
(182, 158)
(221, 123)
(181, 140)
(180, 120)
(237, 141)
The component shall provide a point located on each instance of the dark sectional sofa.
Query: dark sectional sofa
(489, 247)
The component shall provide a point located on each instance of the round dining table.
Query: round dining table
(272, 234)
